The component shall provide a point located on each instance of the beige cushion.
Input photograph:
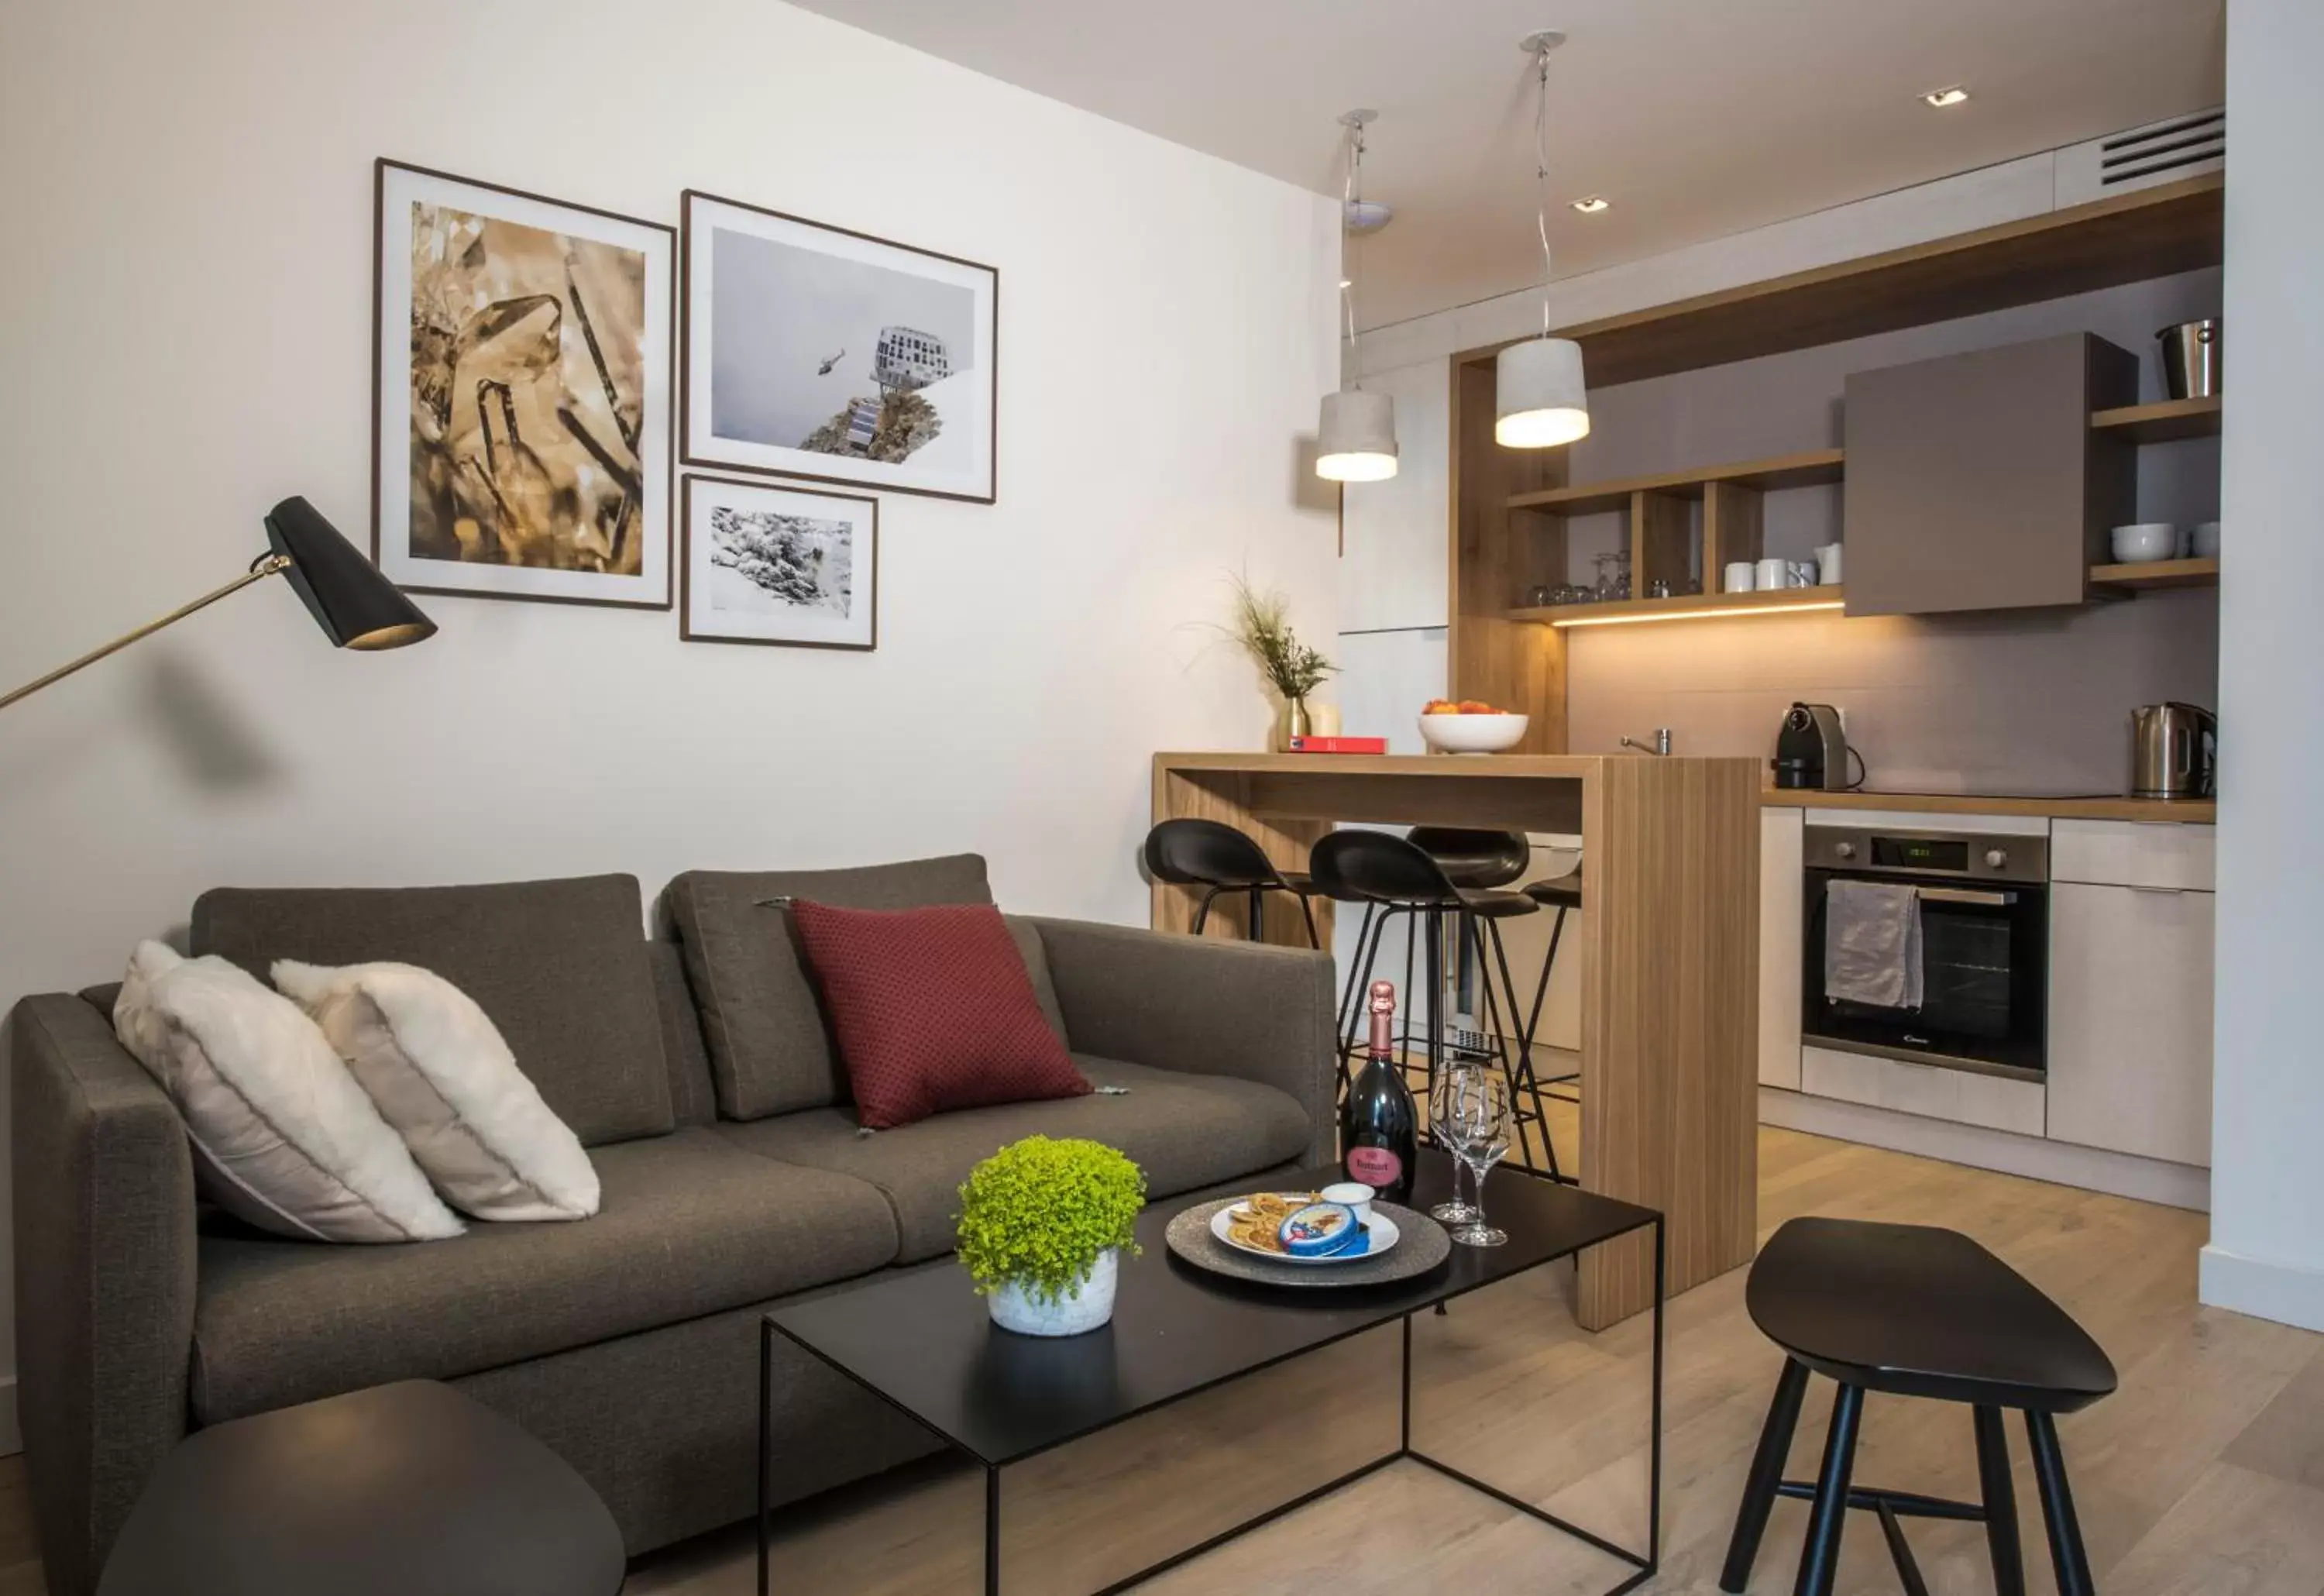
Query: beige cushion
(445, 1079)
(283, 1135)
(770, 1051)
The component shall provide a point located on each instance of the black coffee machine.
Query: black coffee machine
(1811, 751)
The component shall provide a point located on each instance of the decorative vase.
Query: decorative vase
(1295, 720)
(1085, 1308)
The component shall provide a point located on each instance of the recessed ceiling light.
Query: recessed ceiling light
(1591, 204)
(1942, 97)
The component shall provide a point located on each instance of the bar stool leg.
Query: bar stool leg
(1257, 913)
(1820, 1560)
(1523, 1076)
(1359, 979)
(1307, 912)
(1202, 914)
(1435, 973)
(1767, 1474)
(1355, 974)
(2066, 1553)
(2000, 1503)
(1541, 987)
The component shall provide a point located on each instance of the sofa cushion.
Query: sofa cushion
(691, 1225)
(692, 1102)
(1183, 1130)
(770, 1051)
(560, 966)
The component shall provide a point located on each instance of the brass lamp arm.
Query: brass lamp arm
(264, 565)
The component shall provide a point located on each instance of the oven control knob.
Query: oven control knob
(1995, 858)
(1845, 850)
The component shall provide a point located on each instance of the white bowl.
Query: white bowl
(2147, 540)
(1472, 733)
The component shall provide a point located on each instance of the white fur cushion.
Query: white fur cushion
(436, 1066)
(283, 1135)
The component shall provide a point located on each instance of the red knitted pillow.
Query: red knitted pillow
(934, 1009)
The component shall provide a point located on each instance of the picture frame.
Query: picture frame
(825, 354)
(522, 425)
(778, 564)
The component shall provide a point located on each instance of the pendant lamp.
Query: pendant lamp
(1355, 441)
(1539, 397)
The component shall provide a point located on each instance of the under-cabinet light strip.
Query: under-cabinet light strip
(1637, 619)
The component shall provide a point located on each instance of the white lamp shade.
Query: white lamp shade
(1540, 401)
(1356, 441)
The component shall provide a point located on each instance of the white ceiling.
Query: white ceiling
(1696, 117)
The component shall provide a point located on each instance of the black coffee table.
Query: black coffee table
(924, 1343)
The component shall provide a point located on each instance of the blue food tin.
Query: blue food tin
(1320, 1230)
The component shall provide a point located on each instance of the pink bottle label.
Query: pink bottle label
(1376, 1167)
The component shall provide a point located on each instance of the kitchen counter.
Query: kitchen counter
(2158, 811)
(1668, 937)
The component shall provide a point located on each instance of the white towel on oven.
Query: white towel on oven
(1872, 943)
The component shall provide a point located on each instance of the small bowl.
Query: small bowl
(1474, 734)
(2146, 542)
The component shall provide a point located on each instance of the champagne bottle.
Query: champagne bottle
(1379, 1124)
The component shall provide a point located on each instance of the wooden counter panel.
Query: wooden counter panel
(1514, 803)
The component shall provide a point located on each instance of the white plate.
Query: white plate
(1382, 1230)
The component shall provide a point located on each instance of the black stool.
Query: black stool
(1914, 1311)
(1216, 857)
(1391, 877)
(1564, 894)
(389, 1491)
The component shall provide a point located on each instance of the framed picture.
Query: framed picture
(521, 429)
(818, 353)
(763, 563)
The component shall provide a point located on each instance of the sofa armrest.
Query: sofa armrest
(104, 1191)
(1201, 1006)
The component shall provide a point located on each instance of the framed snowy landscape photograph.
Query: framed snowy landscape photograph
(816, 352)
(764, 563)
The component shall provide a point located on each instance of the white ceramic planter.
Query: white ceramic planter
(1086, 1308)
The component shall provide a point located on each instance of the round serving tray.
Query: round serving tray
(1423, 1246)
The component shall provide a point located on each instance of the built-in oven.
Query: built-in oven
(1983, 902)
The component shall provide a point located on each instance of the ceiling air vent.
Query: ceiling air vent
(2160, 152)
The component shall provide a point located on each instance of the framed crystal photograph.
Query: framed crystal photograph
(813, 352)
(522, 422)
(762, 563)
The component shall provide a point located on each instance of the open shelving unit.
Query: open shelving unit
(1685, 607)
(2156, 574)
(2167, 422)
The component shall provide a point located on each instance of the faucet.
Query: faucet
(1661, 745)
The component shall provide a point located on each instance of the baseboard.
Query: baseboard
(12, 1439)
(2282, 1292)
(2061, 1163)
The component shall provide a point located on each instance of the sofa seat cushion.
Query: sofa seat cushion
(1183, 1130)
(691, 1225)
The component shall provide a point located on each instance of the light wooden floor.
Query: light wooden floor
(2205, 1472)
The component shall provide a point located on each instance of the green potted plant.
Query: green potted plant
(1043, 1223)
(1261, 627)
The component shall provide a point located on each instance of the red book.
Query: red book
(1339, 745)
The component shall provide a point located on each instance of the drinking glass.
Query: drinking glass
(1444, 1125)
(1478, 1112)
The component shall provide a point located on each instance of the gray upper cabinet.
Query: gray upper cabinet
(1976, 482)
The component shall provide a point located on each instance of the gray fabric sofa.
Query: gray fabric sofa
(696, 1067)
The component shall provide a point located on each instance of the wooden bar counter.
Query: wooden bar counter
(1668, 938)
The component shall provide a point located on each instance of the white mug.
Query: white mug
(1828, 565)
(1738, 576)
(1773, 574)
(1803, 573)
(1354, 1194)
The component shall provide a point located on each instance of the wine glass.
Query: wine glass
(1479, 1113)
(1444, 1125)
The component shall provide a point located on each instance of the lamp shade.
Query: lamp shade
(1540, 401)
(1356, 441)
(351, 601)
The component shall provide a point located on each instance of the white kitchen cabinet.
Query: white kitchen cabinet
(2132, 853)
(1396, 543)
(1935, 1091)
(2130, 1017)
(1782, 900)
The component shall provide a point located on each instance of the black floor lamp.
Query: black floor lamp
(351, 601)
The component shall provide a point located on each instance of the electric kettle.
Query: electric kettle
(2174, 750)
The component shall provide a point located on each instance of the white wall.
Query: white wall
(2266, 1254)
(185, 313)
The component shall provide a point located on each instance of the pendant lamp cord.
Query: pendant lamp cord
(1541, 183)
(1351, 191)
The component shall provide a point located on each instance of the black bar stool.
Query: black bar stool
(1914, 1311)
(1390, 875)
(1563, 894)
(1216, 857)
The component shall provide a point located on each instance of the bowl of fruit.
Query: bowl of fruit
(1469, 726)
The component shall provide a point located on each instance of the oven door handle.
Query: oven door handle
(1958, 894)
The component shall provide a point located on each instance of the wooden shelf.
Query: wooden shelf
(2168, 421)
(2157, 572)
(1685, 606)
(1814, 468)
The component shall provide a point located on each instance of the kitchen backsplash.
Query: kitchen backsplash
(2032, 700)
